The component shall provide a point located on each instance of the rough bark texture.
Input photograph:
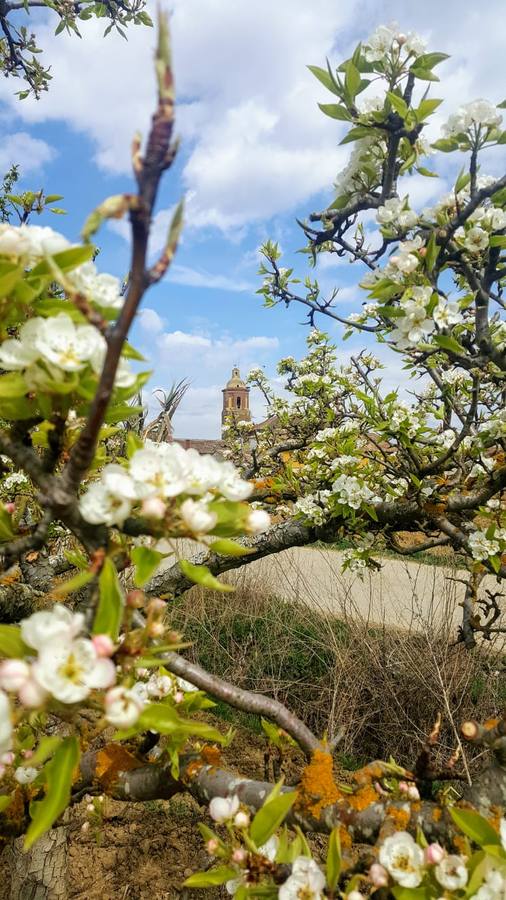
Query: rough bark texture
(41, 873)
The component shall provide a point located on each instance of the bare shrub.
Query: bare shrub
(384, 686)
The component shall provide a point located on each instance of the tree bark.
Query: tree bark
(40, 873)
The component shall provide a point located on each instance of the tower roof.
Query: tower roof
(236, 381)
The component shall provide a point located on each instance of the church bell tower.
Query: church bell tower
(235, 400)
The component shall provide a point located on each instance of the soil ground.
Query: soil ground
(146, 850)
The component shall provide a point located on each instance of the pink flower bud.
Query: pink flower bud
(241, 820)
(401, 39)
(27, 754)
(10, 507)
(103, 645)
(378, 875)
(13, 674)
(434, 853)
(153, 508)
(212, 846)
(413, 792)
(403, 787)
(156, 629)
(7, 758)
(31, 694)
(239, 856)
(178, 697)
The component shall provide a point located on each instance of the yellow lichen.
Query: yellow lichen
(317, 787)
(363, 798)
(400, 817)
(111, 760)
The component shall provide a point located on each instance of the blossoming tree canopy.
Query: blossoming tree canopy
(338, 457)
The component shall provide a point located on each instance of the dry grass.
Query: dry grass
(384, 686)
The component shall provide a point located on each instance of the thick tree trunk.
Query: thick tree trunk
(41, 873)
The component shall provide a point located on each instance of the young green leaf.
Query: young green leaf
(202, 575)
(146, 562)
(211, 878)
(109, 613)
(475, 827)
(333, 859)
(270, 816)
(58, 775)
(226, 547)
(12, 645)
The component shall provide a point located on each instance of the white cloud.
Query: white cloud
(149, 320)
(180, 274)
(182, 341)
(30, 153)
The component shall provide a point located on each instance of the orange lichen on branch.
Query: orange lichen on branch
(111, 760)
(399, 816)
(211, 755)
(317, 788)
(363, 798)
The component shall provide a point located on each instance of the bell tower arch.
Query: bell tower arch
(235, 399)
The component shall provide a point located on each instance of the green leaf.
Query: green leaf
(134, 443)
(355, 134)
(446, 342)
(325, 78)
(429, 60)
(211, 878)
(335, 111)
(333, 859)
(47, 747)
(352, 79)
(109, 613)
(53, 198)
(202, 575)
(402, 893)
(9, 280)
(74, 584)
(432, 254)
(270, 816)
(398, 104)
(424, 74)
(475, 827)
(226, 547)
(6, 530)
(12, 646)
(164, 719)
(120, 412)
(498, 240)
(462, 181)
(447, 145)
(76, 558)
(66, 260)
(58, 777)
(426, 108)
(146, 561)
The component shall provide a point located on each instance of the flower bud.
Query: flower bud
(403, 787)
(401, 39)
(378, 875)
(434, 853)
(85, 827)
(27, 754)
(13, 674)
(7, 758)
(239, 856)
(31, 694)
(103, 645)
(10, 507)
(413, 792)
(241, 820)
(212, 846)
(178, 697)
(153, 508)
(156, 629)
(135, 599)
(355, 895)
(156, 607)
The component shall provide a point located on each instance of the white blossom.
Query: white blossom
(306, 880)
(102, 288)
(481, 547)
(197, 516)
(452, 873)
(25, 774)
(480, 113)
(58, 625)
(258, 521)
(70, 671)
(351, 492)
(402, 858)
(493, 886)
(221, 809)
(122, 707)
(30, 241)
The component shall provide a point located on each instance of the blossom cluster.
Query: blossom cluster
(351, 491)
(397, 214)
(387, 39)
(30, 243)
(158, 473)
(482, 547)
(47, 348)
(479, 113)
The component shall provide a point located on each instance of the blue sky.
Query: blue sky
(256, 152)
